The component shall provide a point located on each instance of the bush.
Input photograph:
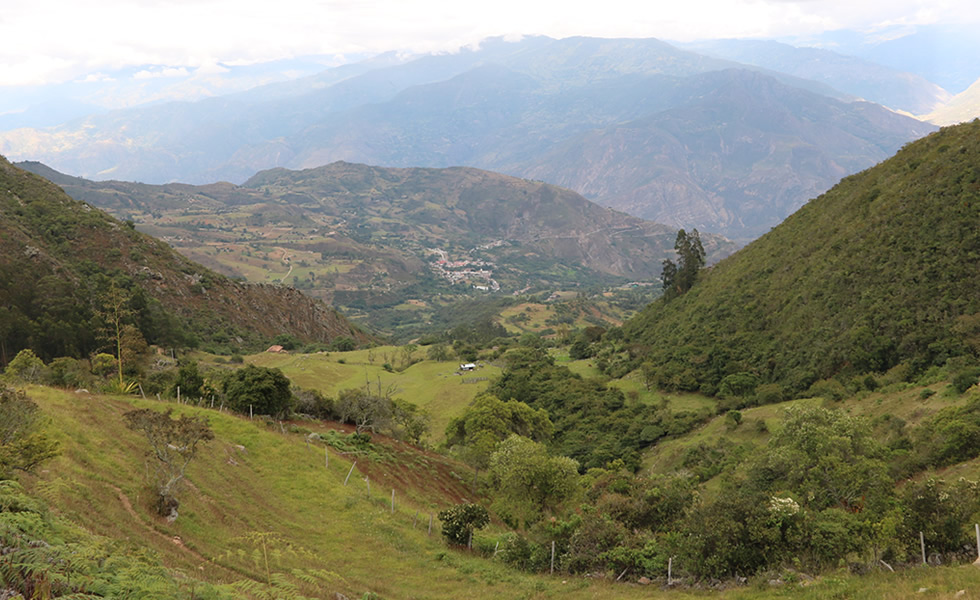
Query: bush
(459, 522)
(261, 390)
(961, 382)
(26, 367)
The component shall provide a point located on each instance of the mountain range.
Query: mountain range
(527, 109)
(362, 235)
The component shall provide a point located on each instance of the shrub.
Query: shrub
(26, 367)
(264, 390)
(961, 382)
(459, 522)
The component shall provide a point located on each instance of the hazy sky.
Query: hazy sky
(46, 41)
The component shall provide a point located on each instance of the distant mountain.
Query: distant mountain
(58, 256)
(378, 236)
(963, 107)
(943, 54)
(879, 273)
(737, 154)
(501, 107)
(889, 87)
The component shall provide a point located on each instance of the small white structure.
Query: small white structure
(467, 367)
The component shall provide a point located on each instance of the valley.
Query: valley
(536, 317)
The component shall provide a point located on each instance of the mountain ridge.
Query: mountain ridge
(59, 256)
(845, 286)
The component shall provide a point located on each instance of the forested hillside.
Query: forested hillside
(879, 273)
(68, 269)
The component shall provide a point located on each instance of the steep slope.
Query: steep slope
(873, 82)
(878, 272)
(738, 154)
(58, 257)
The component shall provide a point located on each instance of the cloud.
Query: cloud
(96, 78)
(63, 40)
(161, 72)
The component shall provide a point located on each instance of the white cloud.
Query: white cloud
(161, 72)
(59, 40)
(96, 78)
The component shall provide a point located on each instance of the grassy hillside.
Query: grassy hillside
(261, 507)
(59, 257)
(434, 386)
(876, 274)
(254, 483)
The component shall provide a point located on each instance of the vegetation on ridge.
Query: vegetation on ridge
(878, 273)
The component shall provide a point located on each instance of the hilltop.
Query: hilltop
(879, 273)
(59, 257)
(405, 241)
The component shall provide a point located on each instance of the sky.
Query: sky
(44, 42)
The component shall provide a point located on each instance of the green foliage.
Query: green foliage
(528, 482)
(67, 372)
(342, 344)
(459, 522)
(593, 423)
(26, 367)
(951, 436)
(845, 286)
(487, 421)
(23, 446)
(678, 279)
(965, 380)
(258, 390)
(942, 511)
(828, 458)
(189, 380)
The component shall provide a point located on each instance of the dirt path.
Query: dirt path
(175, 540)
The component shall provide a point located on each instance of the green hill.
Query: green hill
(879, 273)
(261, 517)
(60, 257)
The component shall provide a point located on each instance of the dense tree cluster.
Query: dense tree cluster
(680, 277)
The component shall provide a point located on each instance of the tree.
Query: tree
(459, 521)
(487, 421)
(22, 445)
(189, 380)
(26, 367)
(528, 481)
(173, 443)
(115, 312)
(680, 277)
(827, 457)
(260, 390)
(364, 409)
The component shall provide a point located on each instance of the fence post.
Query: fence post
(978, 540)
(430, 524)
(552, 557)
(392, 500)
(922, 542)
(354, 464)
(670, 569)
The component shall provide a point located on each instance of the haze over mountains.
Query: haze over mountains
(637, 125)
